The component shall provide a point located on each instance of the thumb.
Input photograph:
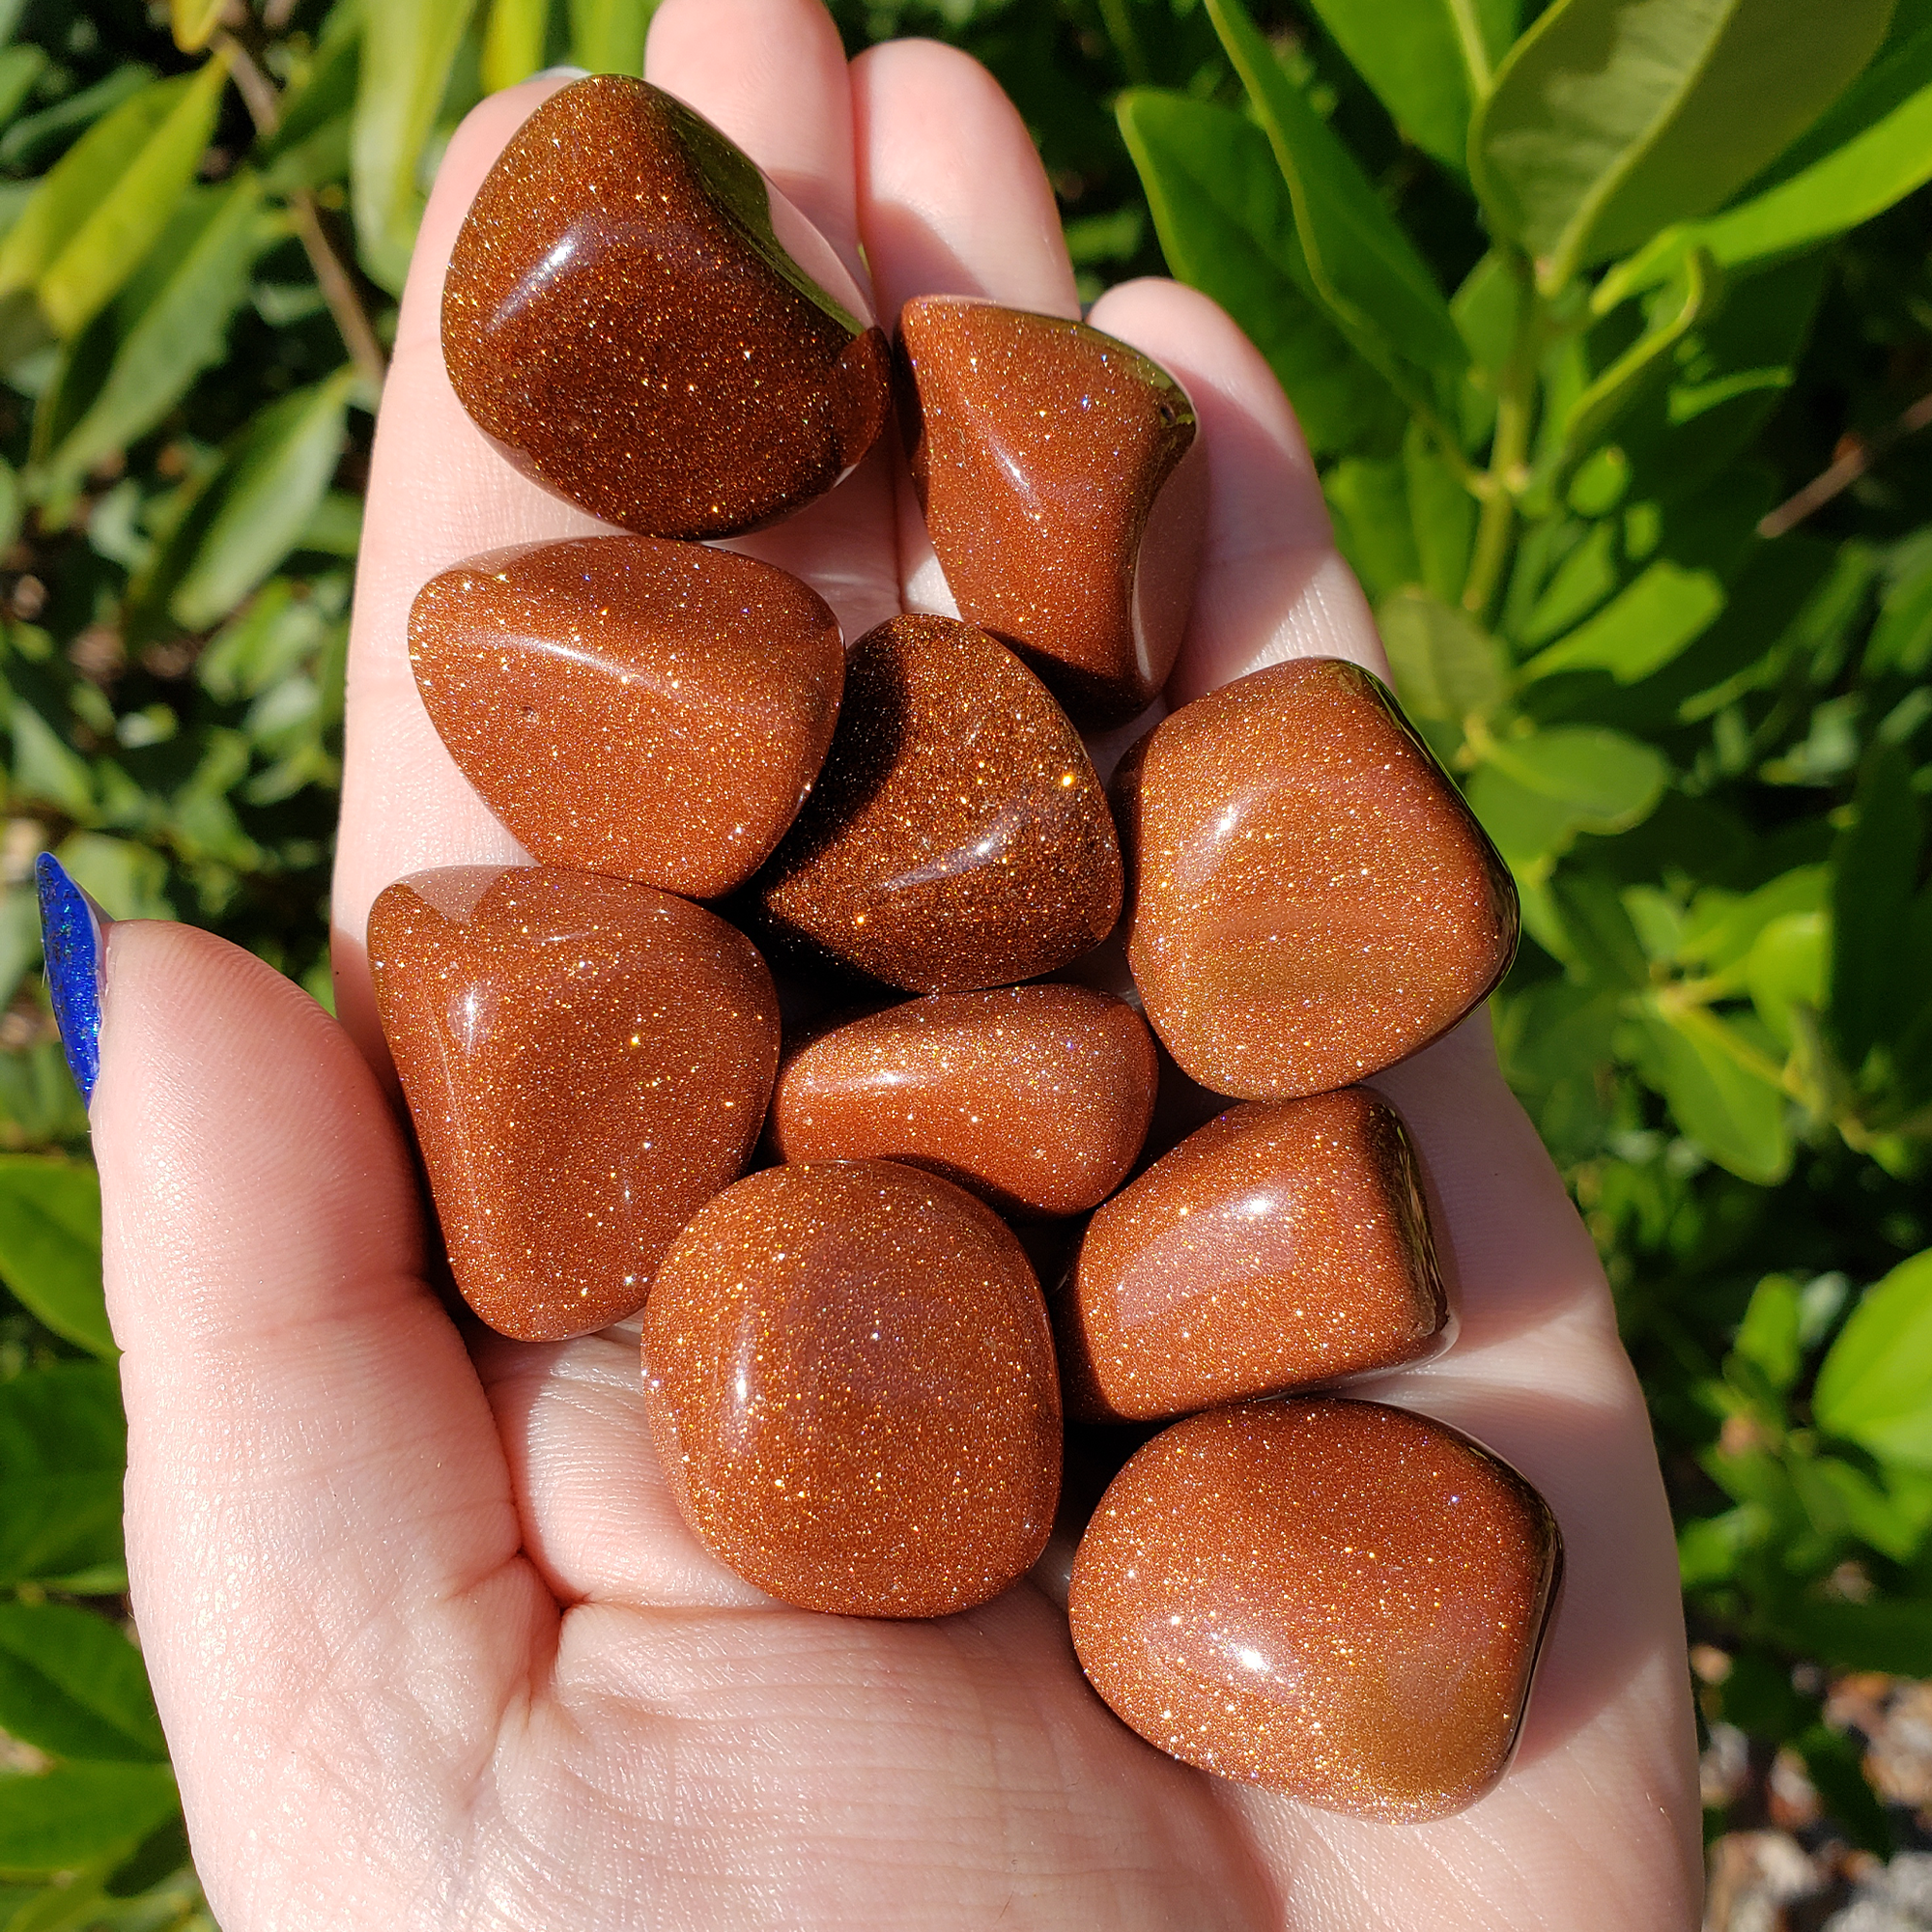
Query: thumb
(320, 1521)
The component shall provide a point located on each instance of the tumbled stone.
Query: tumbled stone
(1050, 462)
(1036, 1098)
(957, 837)
(657, 711)
(645, 326)
(1283, 1245)
(1312, 898)
(1335, 1599)
(587, 1063)
(850, 1385)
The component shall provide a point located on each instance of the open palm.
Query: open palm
(432, 1644)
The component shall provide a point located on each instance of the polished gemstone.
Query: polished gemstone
(1049, 461)
(1283, 1245)
(586, 1062)
(1036, 1098)
(957, 837)
(644, 325)
(1313, 901)
(653, 710)
(1335, 1599)
(850, 1384)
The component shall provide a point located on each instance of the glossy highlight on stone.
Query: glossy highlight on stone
(1036, 1098)
(957, 837)
(1283, 1245)
(1312, 898)
(657, 711)
(850, 1385)
(646, 328)
(1335, 1599)
(586, 1062)
(1050, 462)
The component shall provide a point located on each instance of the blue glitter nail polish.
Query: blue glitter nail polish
(72, 930)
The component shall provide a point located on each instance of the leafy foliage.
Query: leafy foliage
(1568, 299)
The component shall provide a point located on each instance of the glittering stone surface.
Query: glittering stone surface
(587, 1063)
(627, 313)
(1282, 1245)
(1036, 1098)
(850, 1384)
(1045, 456)
(1333, 1598)
(653, 710)
(1313, 901)
(957, 837)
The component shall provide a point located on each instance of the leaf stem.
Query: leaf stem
(1509, 451)
(1476, 53)
(331, 275)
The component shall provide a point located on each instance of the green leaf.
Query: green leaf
(408, 48)
(1362, 266)
(1874, 873)
(129, 881)
(46, 767)
(128, 217)
(1427, 59)
(1529, 828)
(259, 505)
(19, 68)
(1226, 226)
(1647, 361)
(170, 325)
(193, 22)
(1368, 499)
(32, 138)
(72, 1686)
(51, 1247)
(1602, 944)
(513, 42)
(1613, 118)
(1654, 618)
(1697, 1062)
(75, 1813)
(1875, 1388)
(1901, 640)
(1872, 149)
(1885, 1636)
(1789, 966)
(1442, 514)
(62, 1453)
(1768, 1335)
(1446, 667)
(1606, 782)
(608, 36)
(1835, 1766)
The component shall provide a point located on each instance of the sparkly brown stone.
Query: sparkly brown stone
(646, 328)
(653, 710)
(1336, 1599)
(957, 837)
(850, 1384)
(1313, 901)
(1048, 461)
(586, 1061)
(1037, 1098)
(1282, 1245)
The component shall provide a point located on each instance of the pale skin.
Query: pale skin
(432, 1645)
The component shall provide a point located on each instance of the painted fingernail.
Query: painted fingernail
(73, 932)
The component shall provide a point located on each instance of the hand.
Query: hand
(432, 1645)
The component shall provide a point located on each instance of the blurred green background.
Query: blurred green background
(1614, 367)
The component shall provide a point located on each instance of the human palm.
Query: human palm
(433, 1646)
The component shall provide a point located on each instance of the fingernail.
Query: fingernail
(566, 71)
(73, 933)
